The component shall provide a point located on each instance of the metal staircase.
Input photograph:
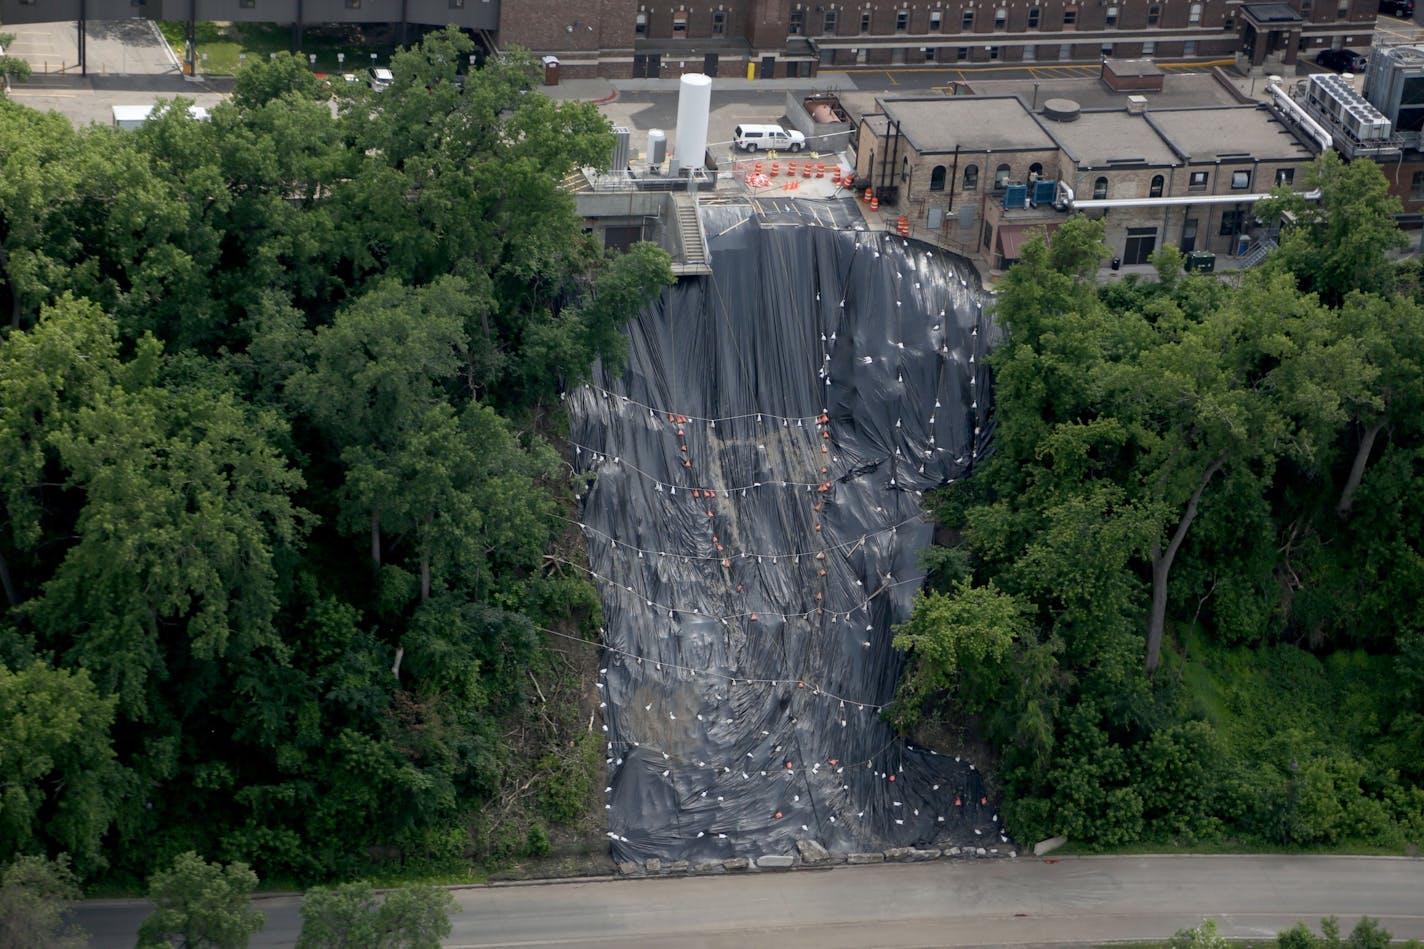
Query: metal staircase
(1256, 253)
(693, 259)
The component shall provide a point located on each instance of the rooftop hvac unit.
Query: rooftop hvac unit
(1044, 191)
(619, 163)
(1366, 127)
(1015, 196)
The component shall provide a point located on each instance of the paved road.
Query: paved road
(1012, 903)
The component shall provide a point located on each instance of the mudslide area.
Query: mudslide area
(755, 528)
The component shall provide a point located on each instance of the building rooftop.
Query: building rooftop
(1271, 13)
(1237, 132)
(1098, 139)
(1132, 67)
(975, 123)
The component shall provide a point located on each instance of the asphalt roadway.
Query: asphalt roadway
(1023, 902)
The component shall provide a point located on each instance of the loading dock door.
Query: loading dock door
(1141, 242)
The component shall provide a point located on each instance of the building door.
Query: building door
(709, 64)
(1141, 242)
(1189, 235)
(768, 67)
(647, 65)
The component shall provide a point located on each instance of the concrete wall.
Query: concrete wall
(820, 136)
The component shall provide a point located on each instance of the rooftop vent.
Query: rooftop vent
(1061, 110)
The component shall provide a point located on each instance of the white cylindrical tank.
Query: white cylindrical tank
(657, 146)
(694, 101)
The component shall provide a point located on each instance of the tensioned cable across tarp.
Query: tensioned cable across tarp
(755, 530)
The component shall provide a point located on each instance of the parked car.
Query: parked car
(749, 138)
(1399, 8)
(379, 77)
(1341, 60)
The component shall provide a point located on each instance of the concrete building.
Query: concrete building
(789, 38)
(979, 174)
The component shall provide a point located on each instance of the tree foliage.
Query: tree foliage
(1197, 504)
(201, 905)
(350, 916)
(276, 480)
(35, 893)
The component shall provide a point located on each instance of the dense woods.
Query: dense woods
(1185, 600)
(276, 484)
(281, 515)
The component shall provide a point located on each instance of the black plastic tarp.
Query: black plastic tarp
(755, 531)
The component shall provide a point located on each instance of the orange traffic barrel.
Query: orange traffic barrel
(775, 168)
(875, 204)
(869, 192)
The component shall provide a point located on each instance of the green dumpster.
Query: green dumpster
(1200, 261)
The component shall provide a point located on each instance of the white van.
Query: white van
(750, 138)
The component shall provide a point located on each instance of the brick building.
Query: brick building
(979, 174)
(779, 38)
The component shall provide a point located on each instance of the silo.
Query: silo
(657, 147)
(693, 104)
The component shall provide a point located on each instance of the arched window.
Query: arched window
(1100, 189)
(1035, 171)
(937, 178)
(905, 170)
(1156, 191)
(1001, 177)
(971, 177)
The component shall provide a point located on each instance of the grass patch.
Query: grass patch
(224, 48)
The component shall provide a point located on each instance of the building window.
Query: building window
(902, 21)
(1030, 52)
(719, 22)
(937, 178)
(961, 53)
(350, 4)
(640, 25)
(679, 22)
(798, 19)
(971, 177)
(865, 22)
(1001, 177)
(1342, 12)
(1065, 52)
(1100, 189)
(1416, 186)
(1155, 191)
(1035, 171)
(1149, 47)
(935, 20)
(252, 4)
(1285, 176)
(832, 21)
(1001, 18)
(1240, 180)
(1070, 16)
(1230, 223)
(1110, 18)
(1189, 48)
(1106, 50)
(1197, 182)
(1306, 7)
(1194, 13)
(967, 20)
(993, 52)
(1154, 13)
(929, 54)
